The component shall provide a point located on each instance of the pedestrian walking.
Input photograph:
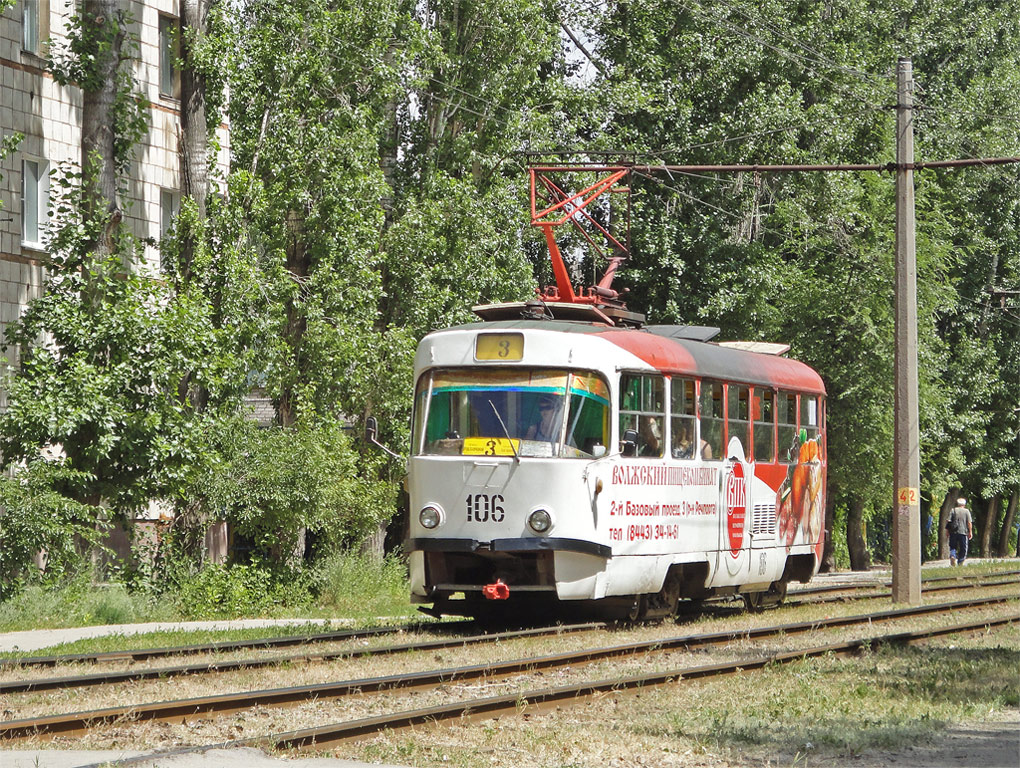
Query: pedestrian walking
(961, 530)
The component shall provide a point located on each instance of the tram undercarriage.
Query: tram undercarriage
(463, 583)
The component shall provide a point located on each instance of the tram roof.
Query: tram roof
(678, 355)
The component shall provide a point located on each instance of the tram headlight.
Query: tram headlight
(540, 521)
(430, 517)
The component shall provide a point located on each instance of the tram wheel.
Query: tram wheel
(773, 597)
(754, 601)
(638, 609)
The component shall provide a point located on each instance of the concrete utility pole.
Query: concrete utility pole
(906, 579)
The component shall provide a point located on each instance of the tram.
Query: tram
(559, 461)
(566, 455)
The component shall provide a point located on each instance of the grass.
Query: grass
(888, 699)
(78, 603)
(359, 587)
(818, 712)
(350, 586)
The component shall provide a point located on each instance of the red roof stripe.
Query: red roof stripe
(712, 361)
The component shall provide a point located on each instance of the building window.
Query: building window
(169, 39)
(30, 30)
(34, 202)
(169, 207)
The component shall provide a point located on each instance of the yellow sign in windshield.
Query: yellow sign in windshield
(489, 446)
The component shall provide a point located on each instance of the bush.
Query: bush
(221, 591)
(76, 601)
(40, 516)
(274, 484)
(361, 586)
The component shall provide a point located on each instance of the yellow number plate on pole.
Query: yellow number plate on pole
(499, 346)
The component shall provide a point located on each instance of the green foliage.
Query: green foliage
(219, 591)
(273, 484)
(211, 56)
(807, 258)
(39, 516)
(377, 194)
(358, 585)
(105, 385)
(76, 600)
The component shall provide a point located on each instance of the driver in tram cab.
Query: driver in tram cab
(548, 427)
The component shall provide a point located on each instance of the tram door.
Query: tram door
(734, 496)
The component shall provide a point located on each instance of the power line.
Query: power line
(792, 168)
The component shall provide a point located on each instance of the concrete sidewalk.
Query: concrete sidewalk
(34, 639)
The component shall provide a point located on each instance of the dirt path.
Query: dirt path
(994, 743)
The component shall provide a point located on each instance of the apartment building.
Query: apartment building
(48, 116)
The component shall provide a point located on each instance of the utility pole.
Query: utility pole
(906, 579)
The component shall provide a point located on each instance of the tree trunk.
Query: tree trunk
(990, 524)
(860, 559)
(194, 141)
(298, 265)
(947, 506)
(828, 564)
(99, 92)
(1007, 524)
(373, 545)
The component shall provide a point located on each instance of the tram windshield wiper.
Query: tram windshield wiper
(495, 410)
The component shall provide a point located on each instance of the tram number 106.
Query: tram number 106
(481, 507)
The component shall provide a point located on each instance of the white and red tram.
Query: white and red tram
(563, 461)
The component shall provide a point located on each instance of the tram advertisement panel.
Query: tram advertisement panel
(735, 541)
(662, 507)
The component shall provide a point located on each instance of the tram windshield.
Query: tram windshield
(495, 412)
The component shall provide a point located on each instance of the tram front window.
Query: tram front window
(536, 413)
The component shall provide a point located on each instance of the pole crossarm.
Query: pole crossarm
(561, 207)
(890, 167)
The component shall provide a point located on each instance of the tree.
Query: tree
(104, 348)
(42, 526)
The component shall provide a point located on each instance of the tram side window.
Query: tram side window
(810, 416)
(763, 411)
(588, 417)
(643, 409)
(712, 419)
(682, 402)
(739, 416)
(786, 413)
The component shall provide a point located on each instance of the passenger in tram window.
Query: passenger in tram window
(650, 437)
(547, 428)
(706, 450)
(683, 442)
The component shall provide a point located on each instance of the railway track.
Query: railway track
(181, 710)
(131, 675)
(226, 646)
(936, 580)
